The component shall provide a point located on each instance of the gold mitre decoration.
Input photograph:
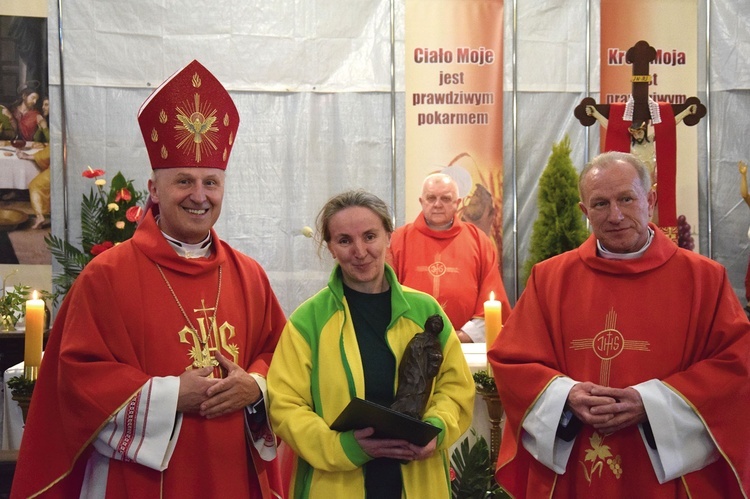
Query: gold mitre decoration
(190, 120)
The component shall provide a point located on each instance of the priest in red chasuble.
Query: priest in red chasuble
(451, 260)
(153, 380)
(624, 367)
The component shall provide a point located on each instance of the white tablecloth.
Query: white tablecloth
(12, 421)
(16, 173)
(476, 357)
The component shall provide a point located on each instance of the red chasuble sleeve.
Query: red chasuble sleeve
(81, 400)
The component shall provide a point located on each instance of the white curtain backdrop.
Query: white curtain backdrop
(319, 113)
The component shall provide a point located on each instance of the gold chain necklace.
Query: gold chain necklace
(203, 341)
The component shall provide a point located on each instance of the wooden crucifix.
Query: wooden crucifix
(627, 130)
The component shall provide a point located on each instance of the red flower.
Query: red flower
(452, 474)
(123, 195)
(101, 247)
(134, 213)
(91, 173)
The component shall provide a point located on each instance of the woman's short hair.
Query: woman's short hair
(349, 199)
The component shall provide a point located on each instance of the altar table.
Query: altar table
(16, 173)
(476, 357)
(12, 419)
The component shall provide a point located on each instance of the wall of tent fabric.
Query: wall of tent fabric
(320, 90)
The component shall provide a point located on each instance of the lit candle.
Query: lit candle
(32, 358)
(493, 322)
(493, 319)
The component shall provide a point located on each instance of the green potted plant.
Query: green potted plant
(108, 217)
(487, 388)
(472, 471)
(485, 383)
(473, 464)
(21, 389)
(12, 304)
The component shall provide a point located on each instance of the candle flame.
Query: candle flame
(34, 295)
(492, 296)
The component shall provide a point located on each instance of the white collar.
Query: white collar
(186, 250)
(604, 253)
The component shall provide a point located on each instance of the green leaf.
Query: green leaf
(98, 224)
(72, 261)
(21, 386)
(484, 381)
(473, 468)
(12, 303)
(93, 212)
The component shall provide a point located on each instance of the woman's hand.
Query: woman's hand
(424, 452)
(391, 447)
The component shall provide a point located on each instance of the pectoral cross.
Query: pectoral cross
(210, 337)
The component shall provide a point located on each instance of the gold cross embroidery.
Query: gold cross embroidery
(437, 269)
(608, 344)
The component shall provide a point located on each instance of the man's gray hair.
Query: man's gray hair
(434, 178)
(607, 159)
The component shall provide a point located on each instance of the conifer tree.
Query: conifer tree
(560, 225)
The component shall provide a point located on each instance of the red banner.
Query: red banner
(667, 77)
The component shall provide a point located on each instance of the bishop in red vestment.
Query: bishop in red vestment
(153, 380)
(624, 367)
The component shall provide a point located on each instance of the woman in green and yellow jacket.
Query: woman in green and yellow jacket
(347, 341)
